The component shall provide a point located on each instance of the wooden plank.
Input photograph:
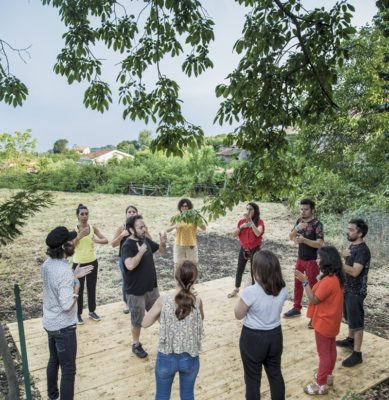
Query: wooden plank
(107, 369)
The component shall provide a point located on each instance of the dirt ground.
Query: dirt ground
(20, 261)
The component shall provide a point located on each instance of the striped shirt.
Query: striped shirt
(58, 281)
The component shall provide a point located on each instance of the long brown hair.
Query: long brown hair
(186, 275)
(267, 272)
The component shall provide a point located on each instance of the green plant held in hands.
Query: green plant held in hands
(192, 217)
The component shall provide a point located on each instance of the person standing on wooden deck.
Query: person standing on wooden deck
(140, 275)
(261, 344)
(308, 234)
(185, 247)
(356, 267)
(60, 293)
(181, 330)
(120, 236)
(84, 254)
(325, 308)
(250, 230)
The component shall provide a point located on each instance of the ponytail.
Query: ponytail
(186, 275)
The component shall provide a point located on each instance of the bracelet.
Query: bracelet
(305, 283)
(75, 295)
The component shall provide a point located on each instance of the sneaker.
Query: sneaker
(348, 342)
(292, 313)
(94, 316)
(354, 359)
(126, 311)
(310, 326)
(139, 351)
(80, 321)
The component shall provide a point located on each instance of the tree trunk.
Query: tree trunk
(10, 372)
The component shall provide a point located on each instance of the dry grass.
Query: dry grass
(20, 261)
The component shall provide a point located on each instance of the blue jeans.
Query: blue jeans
(63, 350)
(166, 367)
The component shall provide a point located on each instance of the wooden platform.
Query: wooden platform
(107, 369)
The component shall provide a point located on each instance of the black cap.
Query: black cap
(59, 236)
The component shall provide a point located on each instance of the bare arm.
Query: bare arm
(118, 236)
(171, 228)
(304, 279)
(132, 262)
(203, 227)
(240, 309)
(258, 230)
(99, 237)
(201, 309)
(354, 270)
(153, 314)
(162, 242)
(316, 244)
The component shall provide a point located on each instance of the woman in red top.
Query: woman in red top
(325, 309)
(250, 230)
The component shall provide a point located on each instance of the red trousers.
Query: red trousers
(312, 270)
(326, 349)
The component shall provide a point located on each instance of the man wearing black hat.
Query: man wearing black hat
(60, 293)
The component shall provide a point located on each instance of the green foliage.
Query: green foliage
(15, 211)
(16, 145)
(192, 217)
(340, 160)
(60, 146)
(306, 69)
(128, 147)
(145, 138)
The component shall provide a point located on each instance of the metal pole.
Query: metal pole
(23, 348)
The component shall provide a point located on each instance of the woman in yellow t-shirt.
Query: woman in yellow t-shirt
(185, 247)
(84, 254)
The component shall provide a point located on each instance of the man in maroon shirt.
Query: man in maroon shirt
(308, 234)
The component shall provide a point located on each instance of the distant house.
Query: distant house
(228, 154)
(82, 149)
(103, 156)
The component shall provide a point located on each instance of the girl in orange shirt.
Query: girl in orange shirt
(325, 309)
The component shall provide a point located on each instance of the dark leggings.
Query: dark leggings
(244, 256)
(257, 348)
(91, 281)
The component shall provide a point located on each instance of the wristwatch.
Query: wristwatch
(305, 283)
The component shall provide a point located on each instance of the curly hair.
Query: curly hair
(183, 201)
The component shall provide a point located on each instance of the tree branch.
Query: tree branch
(306, 53)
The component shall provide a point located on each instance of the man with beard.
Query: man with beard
(356, 268)
(60, 293)
(308, 234)
(140, 275)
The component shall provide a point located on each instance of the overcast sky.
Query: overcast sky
(54, 110)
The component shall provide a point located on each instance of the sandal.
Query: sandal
(233, 293)
(315, 389)
(330, 379)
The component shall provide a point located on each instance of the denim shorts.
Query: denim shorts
(139, 304)
(353, 311)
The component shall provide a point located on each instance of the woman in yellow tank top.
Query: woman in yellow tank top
(84, 254)
(185, 247)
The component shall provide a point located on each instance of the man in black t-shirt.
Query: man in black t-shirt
(356, 267)
(140, 276)
(308, 234)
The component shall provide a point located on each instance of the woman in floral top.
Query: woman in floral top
(181, 317)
